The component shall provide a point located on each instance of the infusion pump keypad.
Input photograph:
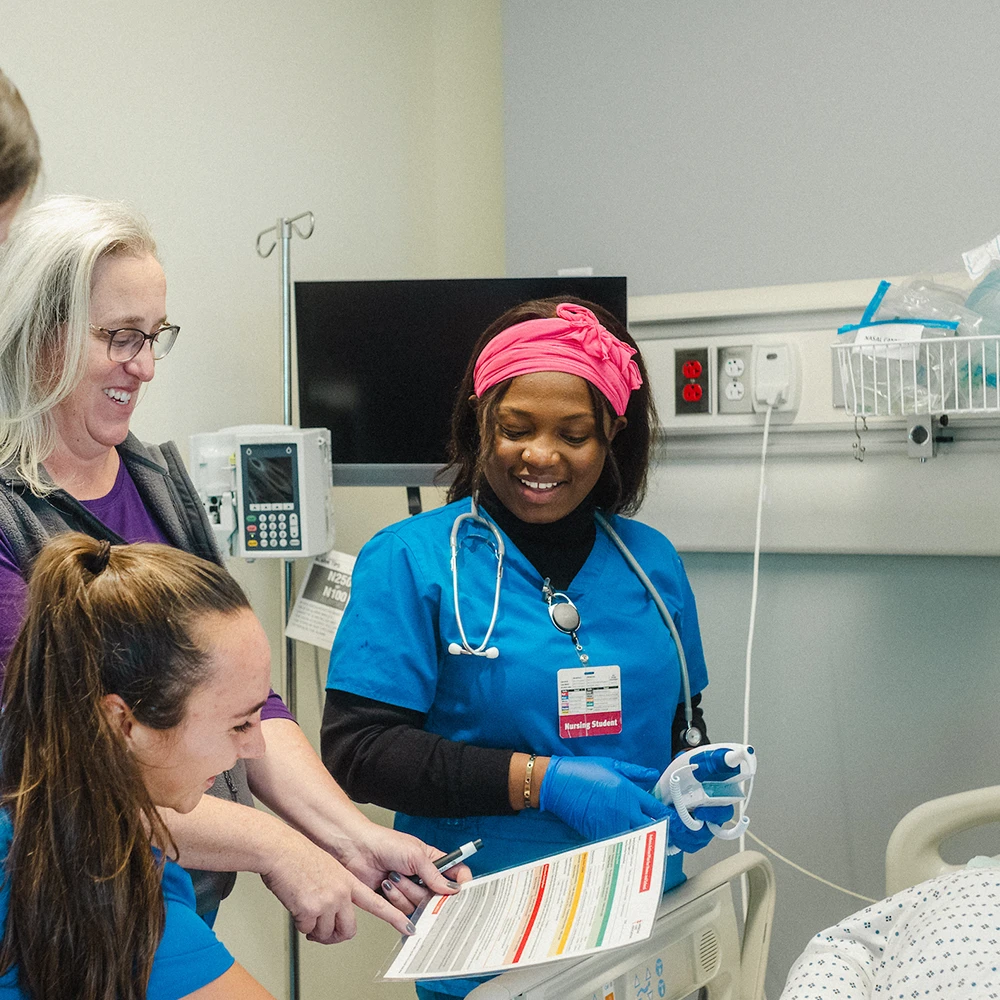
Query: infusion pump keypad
(271, 518)
(272, 529)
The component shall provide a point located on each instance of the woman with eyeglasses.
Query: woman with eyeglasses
(83, 322)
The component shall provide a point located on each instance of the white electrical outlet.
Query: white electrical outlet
(775, 377)
(734, 379)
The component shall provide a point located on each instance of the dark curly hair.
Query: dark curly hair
(622, 483)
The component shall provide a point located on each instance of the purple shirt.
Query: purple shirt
(121, 510)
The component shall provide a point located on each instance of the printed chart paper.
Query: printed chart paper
(569, 905)
(322, 598)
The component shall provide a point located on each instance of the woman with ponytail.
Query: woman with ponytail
(151, 659)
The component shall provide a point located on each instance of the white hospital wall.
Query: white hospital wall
(713, 146)
(765, 142)
(384, 119)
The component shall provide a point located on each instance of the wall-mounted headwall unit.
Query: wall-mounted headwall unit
(730, 349)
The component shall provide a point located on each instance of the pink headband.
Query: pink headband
(573, 341)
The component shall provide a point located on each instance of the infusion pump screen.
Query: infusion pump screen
(269, 480)
(270, 502)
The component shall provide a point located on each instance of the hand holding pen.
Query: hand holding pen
(455, 857)
(393, 888)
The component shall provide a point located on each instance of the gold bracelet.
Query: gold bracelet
(527, 781)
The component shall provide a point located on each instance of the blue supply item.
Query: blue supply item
(720, 774)
(975, 369)
(985, 300)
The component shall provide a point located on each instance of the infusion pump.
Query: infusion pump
(266, 488)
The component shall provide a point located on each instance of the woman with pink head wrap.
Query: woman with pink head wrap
(544, 739)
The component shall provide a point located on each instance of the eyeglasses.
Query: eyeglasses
(125, 344)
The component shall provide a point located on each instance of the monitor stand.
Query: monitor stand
(413, 500)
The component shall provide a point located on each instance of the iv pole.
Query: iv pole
(282, 232)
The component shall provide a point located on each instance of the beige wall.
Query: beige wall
(384, 119)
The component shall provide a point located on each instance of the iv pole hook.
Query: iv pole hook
(282, 229)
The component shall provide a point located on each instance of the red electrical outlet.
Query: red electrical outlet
(691, 375)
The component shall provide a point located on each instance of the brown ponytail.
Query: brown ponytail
(86, 908)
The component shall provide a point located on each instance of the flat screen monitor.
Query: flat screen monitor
(379, 363)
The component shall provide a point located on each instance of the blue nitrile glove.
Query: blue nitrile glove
(600, 797)
(690, 841)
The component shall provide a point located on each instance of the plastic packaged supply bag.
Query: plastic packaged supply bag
(931, 343)
(978, 371)
(891, 370)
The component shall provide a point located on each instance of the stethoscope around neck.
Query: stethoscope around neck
(484, 648)
(562, 611)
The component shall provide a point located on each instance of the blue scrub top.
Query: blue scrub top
(189, 956)
(392, 647)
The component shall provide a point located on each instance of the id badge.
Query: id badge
(590, 702)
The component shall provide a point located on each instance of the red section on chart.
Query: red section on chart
(534, 913)
(647, 861)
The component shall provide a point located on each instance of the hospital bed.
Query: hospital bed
(914, 850)
(695, 948)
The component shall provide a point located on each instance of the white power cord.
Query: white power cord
(744, 889)
(756, 579)
(746, 690)
(805, 871)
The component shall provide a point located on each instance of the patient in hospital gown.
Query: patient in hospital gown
(938, 939)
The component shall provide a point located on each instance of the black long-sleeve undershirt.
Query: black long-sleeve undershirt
(381, 753)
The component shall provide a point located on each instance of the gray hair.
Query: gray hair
(46, 270)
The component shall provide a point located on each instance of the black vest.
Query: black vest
(167, 492)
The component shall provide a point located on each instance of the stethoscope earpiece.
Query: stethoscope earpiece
(456, 650)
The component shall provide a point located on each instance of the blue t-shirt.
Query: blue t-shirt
(189, 957)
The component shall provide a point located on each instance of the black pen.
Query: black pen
(456, 857)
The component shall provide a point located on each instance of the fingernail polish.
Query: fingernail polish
(410, 929)
(395, 876)
(451, 885)
(387, 886)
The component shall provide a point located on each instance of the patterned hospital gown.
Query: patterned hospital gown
(938, 939)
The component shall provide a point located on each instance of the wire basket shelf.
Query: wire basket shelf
(938, 375)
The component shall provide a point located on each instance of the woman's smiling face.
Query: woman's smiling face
(221, 721)
(126, 291)
(547, 451)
